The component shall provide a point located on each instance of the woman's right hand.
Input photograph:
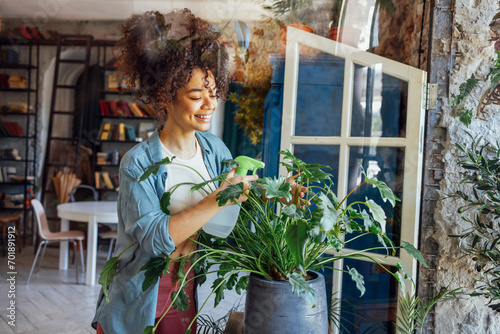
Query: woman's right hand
(233, 178)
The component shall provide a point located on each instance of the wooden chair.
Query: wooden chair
(48, 236)
(6, 221)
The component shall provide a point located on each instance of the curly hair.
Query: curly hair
(159, 53)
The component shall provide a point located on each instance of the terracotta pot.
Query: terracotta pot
(349, 36)
(283, 30)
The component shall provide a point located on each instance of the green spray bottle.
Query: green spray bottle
(224, 221)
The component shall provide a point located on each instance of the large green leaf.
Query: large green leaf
(242, 284)
(415, 253)
(293, 212)
(385, 191)
(329, 214)
(296, 240)
(155, 268)
(277, 188)
(218, 286)
(182, 301)
(230, 194)
(165, 202)
(107, 275)
(377, 213)
(153, 169)
(401, 280)
(302, 288)
(358, 279)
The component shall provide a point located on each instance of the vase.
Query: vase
(283, 29)
(349, 36)
(272, 308)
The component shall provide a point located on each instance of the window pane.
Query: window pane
(387, 164)
(379, 106)
(319, 95)
(375, 311)
(320, 154)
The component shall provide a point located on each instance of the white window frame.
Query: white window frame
(412, 142)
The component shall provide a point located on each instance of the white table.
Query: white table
(91, 213)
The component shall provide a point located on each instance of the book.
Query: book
(130, 132)
(34, 33)
(97, 180)
(135, 109)
(124, 106)
(121, 132)
(104, 108)
(107, 180)
(105, 131)
(24, 32)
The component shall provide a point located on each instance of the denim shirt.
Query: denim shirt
(140, 219)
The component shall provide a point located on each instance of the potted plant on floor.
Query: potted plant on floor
(280, 239)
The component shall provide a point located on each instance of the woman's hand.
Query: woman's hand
(297, 194)
(233, 178)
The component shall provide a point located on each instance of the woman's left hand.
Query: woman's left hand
(297, 194)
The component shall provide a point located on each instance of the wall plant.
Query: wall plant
(278, 235)
(480, 198)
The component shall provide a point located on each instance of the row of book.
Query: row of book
(32, 33)
(124, 109)
(118, 131)
(10, 129)
(12, 201)
(13, 81)
(10, 153)
(109, 158)
(17, 107)
(106, 180)
(116, 85)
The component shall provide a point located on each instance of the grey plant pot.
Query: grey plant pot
(272, 308)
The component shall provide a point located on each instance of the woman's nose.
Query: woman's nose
(210, 103)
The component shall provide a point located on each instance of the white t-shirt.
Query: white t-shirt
(182, 198)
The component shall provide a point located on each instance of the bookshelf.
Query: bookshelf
(18, 127)
(123, 123)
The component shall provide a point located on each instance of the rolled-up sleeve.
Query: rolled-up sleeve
(143, 219)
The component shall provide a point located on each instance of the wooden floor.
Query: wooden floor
(53, 302)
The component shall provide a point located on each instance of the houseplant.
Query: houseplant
(279, 236)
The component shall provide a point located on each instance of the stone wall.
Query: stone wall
(467, 52)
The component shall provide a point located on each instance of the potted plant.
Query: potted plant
(280, 238)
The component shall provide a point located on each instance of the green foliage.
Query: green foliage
(107, 275)
(278, 236)
(481, 210)
(464, 113)
(155, 268)
(414, 311)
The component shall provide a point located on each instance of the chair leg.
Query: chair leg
(34, 261)
(80, 247)
(43, 254)
(76, 267)
(110, 250)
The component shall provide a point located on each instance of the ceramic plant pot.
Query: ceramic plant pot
(272, 308)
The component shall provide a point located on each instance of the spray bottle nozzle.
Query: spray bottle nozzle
(247, 163)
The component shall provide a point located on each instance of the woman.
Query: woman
(181, 70)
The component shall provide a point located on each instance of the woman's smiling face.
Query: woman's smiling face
(194, 105)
